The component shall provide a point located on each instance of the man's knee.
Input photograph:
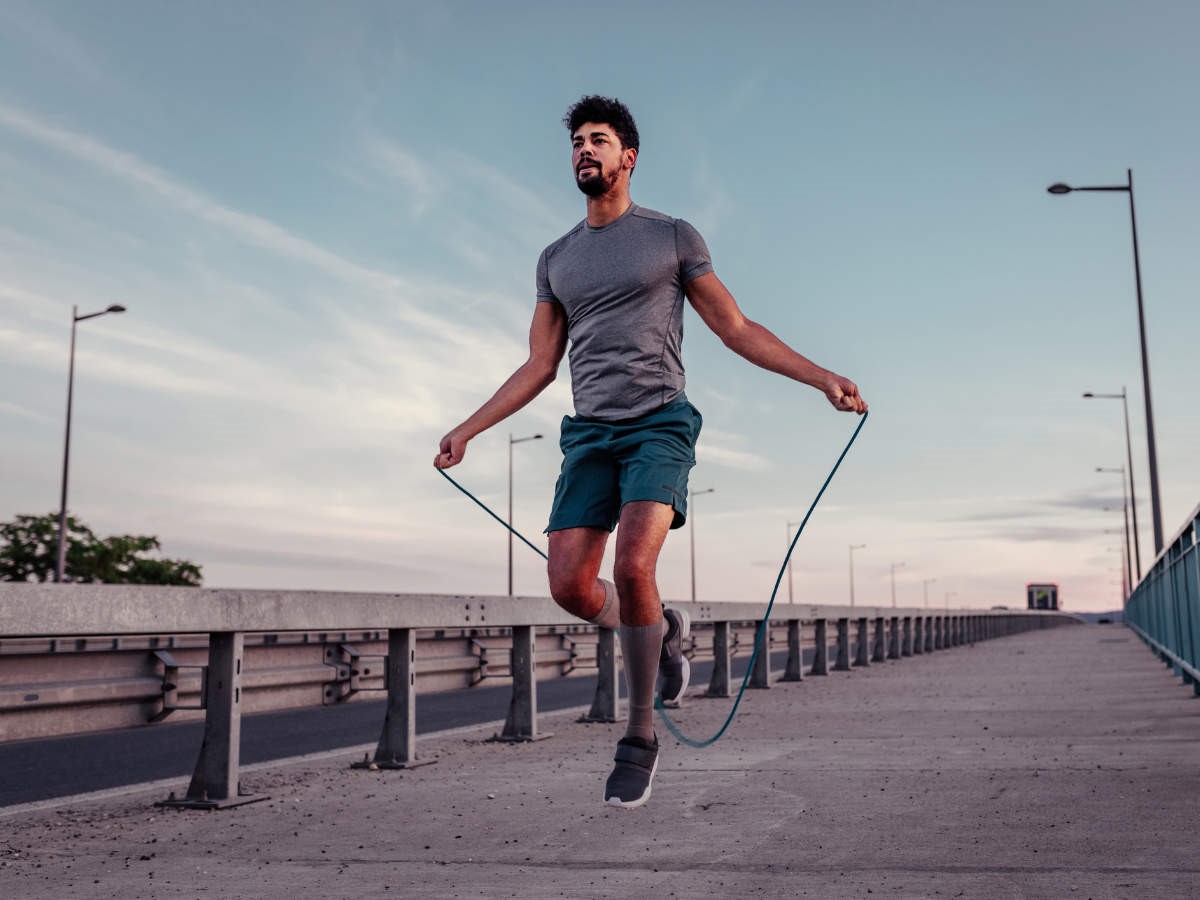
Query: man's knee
(634, 573)
(574, 588)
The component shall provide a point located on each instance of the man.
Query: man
(614, 286)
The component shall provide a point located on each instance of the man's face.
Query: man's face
(598, 159)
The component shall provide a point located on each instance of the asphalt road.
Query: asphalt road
(57, 767)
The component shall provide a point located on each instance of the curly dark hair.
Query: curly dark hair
(605, 111)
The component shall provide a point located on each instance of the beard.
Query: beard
(596, 185)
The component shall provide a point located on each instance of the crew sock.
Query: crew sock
(610, 613)
(641, 646)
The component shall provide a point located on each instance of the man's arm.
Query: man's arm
(751, 341)
(547, 343)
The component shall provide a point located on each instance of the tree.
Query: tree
(30, 550)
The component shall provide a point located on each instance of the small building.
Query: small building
(1041, 596)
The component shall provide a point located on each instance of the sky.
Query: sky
(324, 219)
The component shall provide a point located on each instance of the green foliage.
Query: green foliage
(30, 548)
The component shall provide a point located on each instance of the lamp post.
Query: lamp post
(1124, 562)
(790, 526)
(853, 547)
(925, 589)
(1156, 508)
(512, 440)
(895, 566)
(1137, 549)
(692, 534)
(1125, 509)
(61, 559)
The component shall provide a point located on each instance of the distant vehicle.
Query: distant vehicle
(1041, 596)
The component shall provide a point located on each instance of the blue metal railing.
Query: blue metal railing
(1164, 609)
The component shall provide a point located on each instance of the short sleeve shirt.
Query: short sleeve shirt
(621, 287)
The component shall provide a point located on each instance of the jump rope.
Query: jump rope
(759, 635)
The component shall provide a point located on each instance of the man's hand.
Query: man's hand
(843, 394)
(451, 451)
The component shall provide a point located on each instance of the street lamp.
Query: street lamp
(925, 589)
(790, 526)
(1137, 549)
(853, 547)
(61, 561)
(512, 440)
(1156, 508)
(1125, 509)
(895, 566)
(692, 534)
(1124, 561)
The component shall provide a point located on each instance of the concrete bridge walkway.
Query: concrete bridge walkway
(1058, 763)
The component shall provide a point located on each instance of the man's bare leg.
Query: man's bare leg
(573, 565)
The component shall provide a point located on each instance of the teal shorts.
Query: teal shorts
(608, 464)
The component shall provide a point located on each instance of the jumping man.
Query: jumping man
(614, 287)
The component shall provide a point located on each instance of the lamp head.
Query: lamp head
(1059, 188)
(116, 308)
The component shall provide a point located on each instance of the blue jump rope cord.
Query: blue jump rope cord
(758, 638)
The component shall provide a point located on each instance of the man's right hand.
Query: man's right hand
(451, 451)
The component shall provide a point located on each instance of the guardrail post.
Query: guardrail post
(215, 780)
(952, 631)
(842, 663)
(820, 664)
(939, 632)
(918, 634)
(521, 724)
(880, 651)
(894, 638)
(794, 670)
(721, 683)
(606, 704)
(929, 634)
(862, 643)
(906, 641)
(397, 748)
(761, 676)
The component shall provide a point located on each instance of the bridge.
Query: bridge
(907, 753)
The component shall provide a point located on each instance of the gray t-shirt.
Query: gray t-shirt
(621, 286)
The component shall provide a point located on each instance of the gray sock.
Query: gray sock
(610, 613)
(641, 646)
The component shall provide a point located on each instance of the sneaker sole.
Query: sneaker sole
(640, 801)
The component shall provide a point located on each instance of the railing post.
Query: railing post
(906, 641)
(918, 635)
(215, 780)
(842, 663)
(397, 747)
(862, 643)
(606, 703)
(879, 651)
(820, 664)
(794, 670)
(894, 638)
(521, 724)
(929, 620)
(721, 683)
(761, 676)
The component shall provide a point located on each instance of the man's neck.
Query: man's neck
(608, 207)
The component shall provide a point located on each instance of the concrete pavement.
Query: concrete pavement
(1059, 763)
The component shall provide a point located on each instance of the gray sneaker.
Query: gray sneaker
(629, 784)
(673, 666)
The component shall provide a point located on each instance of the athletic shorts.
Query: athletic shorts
(608, 464)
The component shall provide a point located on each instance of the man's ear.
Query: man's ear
(630, 157)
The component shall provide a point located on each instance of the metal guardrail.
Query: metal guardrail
(1164, 609)
(54, 614)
